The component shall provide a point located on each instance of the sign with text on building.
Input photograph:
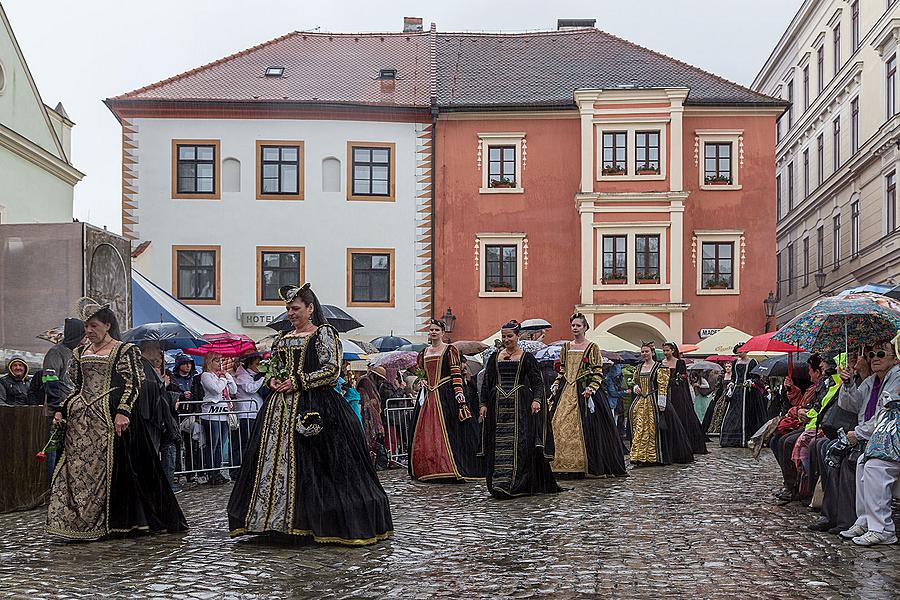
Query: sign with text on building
(256, 319)
(708, 332)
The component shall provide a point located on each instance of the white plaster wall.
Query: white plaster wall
(326, 224)
(29, 194)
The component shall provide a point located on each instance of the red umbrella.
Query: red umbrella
(765, 343)
(721, 358)
(226, 344)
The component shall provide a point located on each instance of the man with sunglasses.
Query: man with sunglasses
(875, 478)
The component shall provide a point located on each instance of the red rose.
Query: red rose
(40, 456)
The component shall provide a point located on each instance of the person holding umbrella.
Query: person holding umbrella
(746, 410)
(306, 471)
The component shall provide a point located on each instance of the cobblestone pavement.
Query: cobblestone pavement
(707, 530)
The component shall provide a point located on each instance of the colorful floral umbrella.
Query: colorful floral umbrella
(838, 322)
(397, 360)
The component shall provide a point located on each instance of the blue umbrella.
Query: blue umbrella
(389, 343)
(170, 336)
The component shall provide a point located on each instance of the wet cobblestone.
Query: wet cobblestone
(706, 530)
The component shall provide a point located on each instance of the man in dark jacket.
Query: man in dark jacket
(14, 385)
(55, 375)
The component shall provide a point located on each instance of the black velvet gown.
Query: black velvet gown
(586, 441)
(679, 398)
(321, 486)
(517, 445)
(443, 447)
(746, 409)
(106, 484)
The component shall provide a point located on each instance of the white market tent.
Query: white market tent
(721, 342)
(610, 342)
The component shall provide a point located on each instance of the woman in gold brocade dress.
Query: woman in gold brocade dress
(587, 442)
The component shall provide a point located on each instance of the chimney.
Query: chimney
(564, 24)
(412, 24)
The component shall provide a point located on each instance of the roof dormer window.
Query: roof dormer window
(387, 74)
(274, 71)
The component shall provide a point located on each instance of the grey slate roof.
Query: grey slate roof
(545, 68)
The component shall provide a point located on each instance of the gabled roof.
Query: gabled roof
(544, 69)
(319, 68)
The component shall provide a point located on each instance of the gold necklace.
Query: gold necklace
(96, 349)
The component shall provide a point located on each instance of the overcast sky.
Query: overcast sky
(82, 52)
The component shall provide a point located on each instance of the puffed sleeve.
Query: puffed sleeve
(595, 368)
(328, 347)
(129, 368)
(74, 372)
(455, 370)
(532, 372)
(490, 380)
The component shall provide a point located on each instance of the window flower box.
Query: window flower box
(647, 171)
(649, 280)
(718, 284)
(613, 170)
(499, 288)
(717, 180)
(503, 182)
(615, 280)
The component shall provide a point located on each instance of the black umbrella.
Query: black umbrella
(389, 343)
(171, 336)
(628, 357)
(777, 366)
(335, 316)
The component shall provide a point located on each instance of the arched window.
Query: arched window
(331, 175)
(231, 175)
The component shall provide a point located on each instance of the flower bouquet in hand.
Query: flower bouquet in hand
(274, 368)
(55, 443)
(420, 374)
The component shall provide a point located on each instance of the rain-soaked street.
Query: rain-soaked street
(707, 530)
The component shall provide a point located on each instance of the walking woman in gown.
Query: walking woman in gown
(306, 471)
(517, 439)
(679, 396)
(444, 435)
(584, 430)
(746, 408)
(715, 414)
(109, 479)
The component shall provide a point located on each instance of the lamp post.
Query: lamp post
(771, 304)
(820, 281)
(449, 319)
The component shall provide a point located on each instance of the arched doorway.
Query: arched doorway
(637, 328)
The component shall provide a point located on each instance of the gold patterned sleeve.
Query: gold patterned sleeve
(595, 368)
(128, 366)
(328, 347)
(560, 376)
(74, 372)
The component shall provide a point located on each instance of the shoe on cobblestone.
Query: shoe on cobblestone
(854, 531)
(822, 524)
(874, 538)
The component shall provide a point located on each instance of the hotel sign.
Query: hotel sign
(256, 319)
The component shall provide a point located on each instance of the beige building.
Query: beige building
(837, 151)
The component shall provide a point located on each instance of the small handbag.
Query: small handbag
(836, 418)
(885, 441)
(233, 422)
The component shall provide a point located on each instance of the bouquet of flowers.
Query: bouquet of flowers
(54, 444)
(274, 368)
(420, 373)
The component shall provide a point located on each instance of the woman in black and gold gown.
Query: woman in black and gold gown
(109, 479)
(517, 439)
(306, 471)
(679, 395)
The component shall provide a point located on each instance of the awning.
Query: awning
(152, 304)
(722, 342)
(869, 287)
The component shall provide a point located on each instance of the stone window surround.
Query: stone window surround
(734, 236)
(487, 139)
(736, 137)
(631, 126)
(630, 230)
(520, 240)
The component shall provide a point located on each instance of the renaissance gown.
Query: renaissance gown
(297, 482)
(106, 484)
(679, 399)
(443, 447)
(587, 442)
(517, 445)
(745, 412)
(657, 436)
(715, 414)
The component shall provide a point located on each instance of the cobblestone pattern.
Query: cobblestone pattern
(707, 530)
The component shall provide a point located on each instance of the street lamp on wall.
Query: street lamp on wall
(449, 319)
(771, 304)
(820, 280)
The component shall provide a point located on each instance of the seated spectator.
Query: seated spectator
(811, 431)
(875, 477)
(14, 385)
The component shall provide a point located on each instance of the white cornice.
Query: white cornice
(888, 36)
(36, 155)
(626, 308)
(835, 18)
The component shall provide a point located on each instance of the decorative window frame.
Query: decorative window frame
(218, 252)
(630, 230)
(259, 270)
(393, 279)
(631, 127)
(392, 190)
(485, 140)
(704, 136)
(300, 169)
(217, 165)
(738, 258)
(520, 240)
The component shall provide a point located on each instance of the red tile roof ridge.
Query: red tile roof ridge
(580, 30)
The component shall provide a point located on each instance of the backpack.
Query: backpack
(197, 392)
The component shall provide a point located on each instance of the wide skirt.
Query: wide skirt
(745, 413)
(443, 448)
(587, 443)
(680, 401)
(322, 487)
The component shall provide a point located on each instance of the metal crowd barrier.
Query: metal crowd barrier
(209, 446)
(397, 434)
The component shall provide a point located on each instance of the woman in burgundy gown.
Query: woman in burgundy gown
(445, 437)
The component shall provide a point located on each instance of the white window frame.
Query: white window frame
(734, 237)
(501, 139)
(498, 239)
(631, 126)
(630, 230)
(717, 136)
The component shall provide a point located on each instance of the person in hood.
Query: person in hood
(57, 383)
(14, 385)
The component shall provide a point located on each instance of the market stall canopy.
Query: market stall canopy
(152, 304)
(609, 341)
(721, 342)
